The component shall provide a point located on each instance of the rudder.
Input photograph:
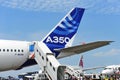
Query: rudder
(64, 31)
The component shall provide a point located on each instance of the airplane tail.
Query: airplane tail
(63, 33)
(81, 61)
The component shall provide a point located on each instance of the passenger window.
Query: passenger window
(11, 50)
(18, 50)
(3, 50)
(14, 50)
(22, 50)
(7, 50)
(0, 49)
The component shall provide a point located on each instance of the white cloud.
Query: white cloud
(51, 5)
(112, 52)
(108, 6)
(100, 6)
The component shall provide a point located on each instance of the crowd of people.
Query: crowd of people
(100, 77)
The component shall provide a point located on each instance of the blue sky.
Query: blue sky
(31, 20)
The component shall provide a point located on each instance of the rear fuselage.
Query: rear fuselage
(13, 54)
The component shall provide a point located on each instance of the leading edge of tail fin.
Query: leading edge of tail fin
(64, 31)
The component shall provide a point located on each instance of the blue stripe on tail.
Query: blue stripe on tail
(64, 31)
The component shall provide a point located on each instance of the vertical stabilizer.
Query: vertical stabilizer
(64, 31)
(81, 61)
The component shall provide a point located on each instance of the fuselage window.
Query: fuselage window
(14, 50)
(7, 50)
(3, 50)
(11, 50)
(18, 50)
(22, 50)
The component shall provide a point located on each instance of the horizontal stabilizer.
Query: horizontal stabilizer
(94, 68)
(81, 48)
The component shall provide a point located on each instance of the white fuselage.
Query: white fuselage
(110, 70)
(13, 54)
